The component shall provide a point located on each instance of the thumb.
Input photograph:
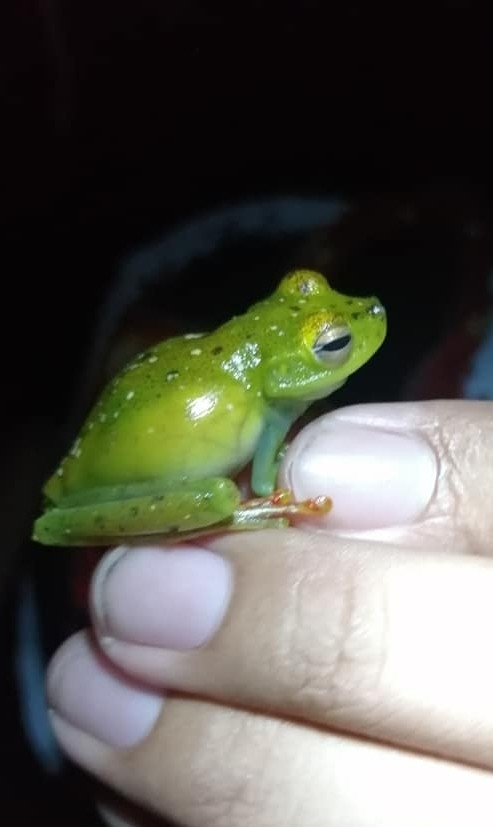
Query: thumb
(401, 472)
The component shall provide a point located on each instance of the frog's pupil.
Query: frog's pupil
(336, 344)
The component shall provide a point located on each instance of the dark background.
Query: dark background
(119, 119)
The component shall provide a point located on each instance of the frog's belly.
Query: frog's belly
(219, 443)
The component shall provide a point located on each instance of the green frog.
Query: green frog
(159, 453)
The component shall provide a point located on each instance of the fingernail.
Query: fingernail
(376, 476)
(175, 599)
(88, 693)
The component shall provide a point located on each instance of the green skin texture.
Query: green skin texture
(157, 454)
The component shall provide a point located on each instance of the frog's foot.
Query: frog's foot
(278, 506)
(282, 500)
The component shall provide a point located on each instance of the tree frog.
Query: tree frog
(160, 449)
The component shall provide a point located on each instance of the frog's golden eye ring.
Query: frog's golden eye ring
(333, 346)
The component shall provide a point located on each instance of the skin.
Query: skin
(157, 454)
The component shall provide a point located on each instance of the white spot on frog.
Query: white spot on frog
(196, 351)
(130, 395)
(201, 406)
(152, 359)
(74, 451)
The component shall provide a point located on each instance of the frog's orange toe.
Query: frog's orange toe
(314, 506)
(282, 496)
(320, 505)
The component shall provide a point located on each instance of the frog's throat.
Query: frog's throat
(322, 395)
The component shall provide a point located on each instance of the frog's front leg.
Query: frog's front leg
(107, 515)
(266, 461)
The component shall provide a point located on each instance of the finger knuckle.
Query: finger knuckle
(226, 787)
(336, 658)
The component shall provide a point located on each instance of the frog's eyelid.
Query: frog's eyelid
(332, 333)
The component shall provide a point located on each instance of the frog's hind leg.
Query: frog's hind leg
(171, 515)
(138, 511)
(277, 510)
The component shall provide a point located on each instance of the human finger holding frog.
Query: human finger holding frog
(310, 674)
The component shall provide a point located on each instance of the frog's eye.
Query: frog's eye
(333, 345)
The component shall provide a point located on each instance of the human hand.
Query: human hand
(337, 676)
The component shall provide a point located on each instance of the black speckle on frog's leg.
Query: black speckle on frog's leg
(99, 521)
(355, 315)
(158, 498)
(295, 308)
(171, 374)
(134, 510)
(219, 349)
